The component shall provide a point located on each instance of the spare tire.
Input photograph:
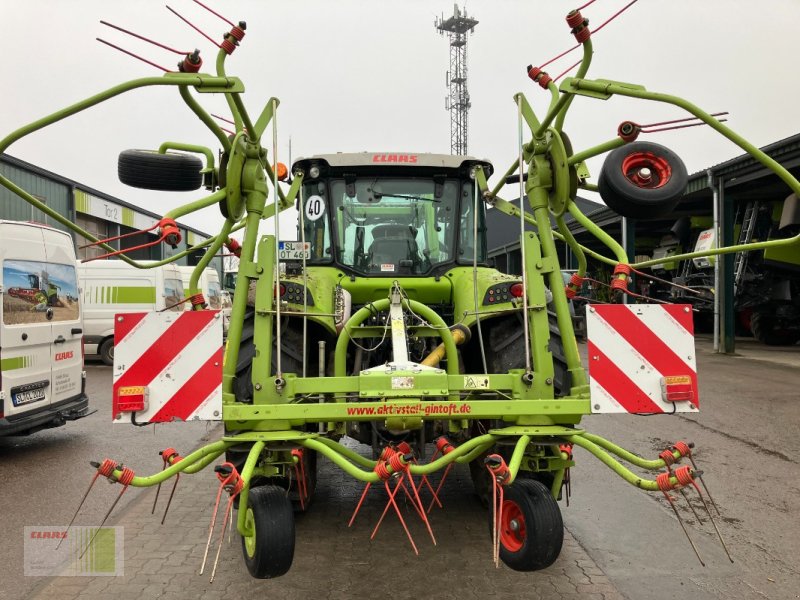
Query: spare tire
(170, 172)
(642, 180)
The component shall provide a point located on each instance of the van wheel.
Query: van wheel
(106, 351)
(169, 172)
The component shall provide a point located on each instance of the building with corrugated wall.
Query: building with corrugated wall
(100, 214)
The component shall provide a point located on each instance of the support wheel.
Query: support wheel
(106, 351)
(169, 172)
(642, 180)
(531, 530)
(269, 551)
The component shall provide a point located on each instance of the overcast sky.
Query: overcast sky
(357, 75)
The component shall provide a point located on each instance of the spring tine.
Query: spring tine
(714, 523)
(155, 501)
(72, 520)
(103, 522)
(171, 494)
(439, 487)
(694, 512)
(228, 512)
(230, 525)
(705, 487)
(358, 506)
(421, 511)
(685, 531)
(399, 515)
(211, 530)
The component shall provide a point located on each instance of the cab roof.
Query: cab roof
(388, 160)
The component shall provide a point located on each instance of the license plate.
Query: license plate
(294, 250)
(28, 396)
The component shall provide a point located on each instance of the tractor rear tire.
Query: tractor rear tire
(291, 362)
(169, 172)
(507, 351)
(269, 552)
(531, 530)
(628, 192)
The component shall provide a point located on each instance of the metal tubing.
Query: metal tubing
(214, 449)
(646, 484)
(525, 316)
(634, 459)
(245, 475)
(516, 457)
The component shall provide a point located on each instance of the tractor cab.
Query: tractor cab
(391, 214)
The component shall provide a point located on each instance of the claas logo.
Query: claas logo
(64, 355)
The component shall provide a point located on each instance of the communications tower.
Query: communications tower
(457, 102)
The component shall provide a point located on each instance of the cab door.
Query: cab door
(26, 333)
(66, 321)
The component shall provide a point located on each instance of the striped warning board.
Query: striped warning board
(168, 366)
(641, 358)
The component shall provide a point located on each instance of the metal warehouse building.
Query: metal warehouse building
(98, 213)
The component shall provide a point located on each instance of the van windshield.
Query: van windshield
(36, 292)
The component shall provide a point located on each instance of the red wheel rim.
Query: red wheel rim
(512, 527)
(646, 170)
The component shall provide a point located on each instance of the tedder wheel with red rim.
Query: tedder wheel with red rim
(531, 530)
(642, 180)
(269, 552)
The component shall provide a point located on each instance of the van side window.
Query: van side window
(37, 292)
(173, 293)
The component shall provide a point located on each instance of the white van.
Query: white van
(42, 381)
(109, 287)
(212, 292)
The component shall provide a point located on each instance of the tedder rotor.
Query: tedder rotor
(384, 322)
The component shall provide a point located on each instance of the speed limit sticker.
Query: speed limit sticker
(315, 208)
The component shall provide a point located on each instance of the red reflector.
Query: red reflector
(516, 290)
(280, 290)
(132, 398)
(677, 388)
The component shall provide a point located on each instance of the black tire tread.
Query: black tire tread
(274, 531)
(543, 523)
(169, 172)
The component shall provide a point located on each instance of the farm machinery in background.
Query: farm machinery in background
(766, 282)
(384, 322)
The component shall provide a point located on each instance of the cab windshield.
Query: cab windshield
(387, 226)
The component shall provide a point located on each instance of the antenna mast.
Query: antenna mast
(457, 102)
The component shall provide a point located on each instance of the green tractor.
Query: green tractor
(373, 225)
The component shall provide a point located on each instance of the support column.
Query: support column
(628, 227)
(726, 293)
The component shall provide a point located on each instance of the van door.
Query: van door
(66, 322)
(171, 294)
(26, 332)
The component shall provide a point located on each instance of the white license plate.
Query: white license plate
(29, 396)
(294, 251)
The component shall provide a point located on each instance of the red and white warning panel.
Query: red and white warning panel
(642, 358)
(167, 366)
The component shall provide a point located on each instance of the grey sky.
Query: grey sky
(358, 75)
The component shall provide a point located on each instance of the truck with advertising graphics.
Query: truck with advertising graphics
(111, 287)
(42, 382)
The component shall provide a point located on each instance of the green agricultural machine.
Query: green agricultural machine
(383, 322)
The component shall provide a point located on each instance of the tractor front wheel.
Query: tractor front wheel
(531, 531)
(269, 551)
